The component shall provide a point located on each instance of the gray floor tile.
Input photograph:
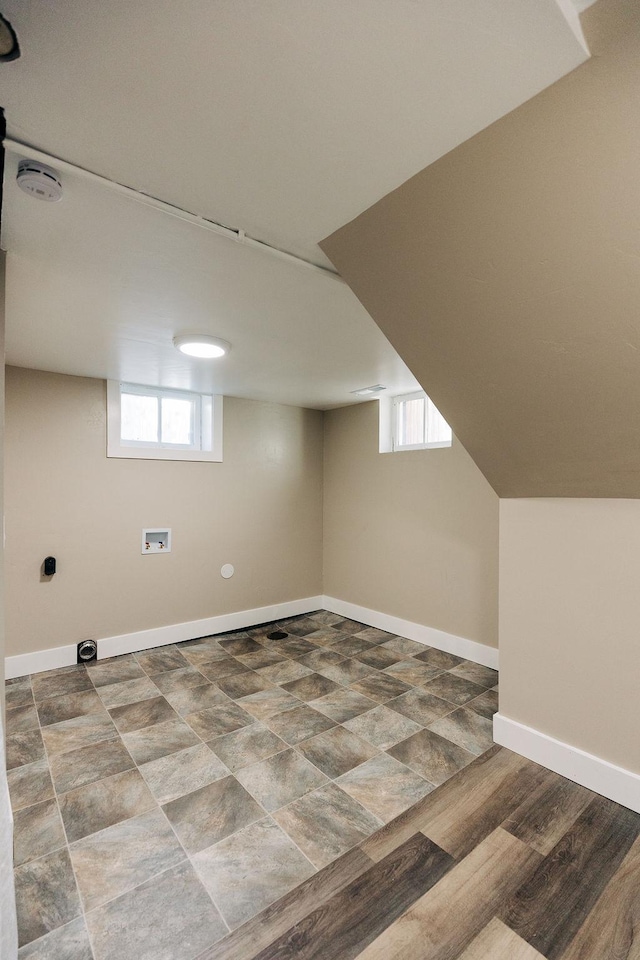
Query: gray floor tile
(412, 671)
(438, 658)
(180, 679)
(161, 739)
(280, 779)
(55, 683)
(378, 657)
(311, 687)
(432, 756)
(18, 693)
(128, 691)
(326, 823)
(343, 705)
(70, 942)
(243, 684)
(302, 626)
(380, 687)
(21, 719)
(115, 670)
(348, 646)
(326, 618)
(420, 706)
(218, 720)
(298, 724)
(78, 732)
(486, 704)
(88, 764)
(349, 626)
(46, 895)
(246, 746)
(68, 706)
(142, 713)
(239, 645)
(37, 830)
(264, 658)
(320, 658)
(483, 676)
(161, 659)
(220, 668)
(466, 728)
(117, 859)
(170, 917)
(382, 727)
(324, 636)
(195, 699)
(212, 813)
(183, 772)
(268, 703)
(24, 748)
(251, 869)
(294, 647)
(385, 786)
(103, 803)
(346, 672)
(204, 653)
(336, 751)
(285, 671)
(30, 783)
(408, 648)
(373, 635)
(454, 689)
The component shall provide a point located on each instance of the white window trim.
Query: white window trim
(388, 424)
(130, 450)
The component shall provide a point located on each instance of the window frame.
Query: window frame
(389, 424)
(207, 425)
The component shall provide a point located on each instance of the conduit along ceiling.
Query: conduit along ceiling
(284, 119)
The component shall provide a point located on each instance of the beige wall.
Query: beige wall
(411, 534)
(570, 622)
(260, 510)
(506, 276)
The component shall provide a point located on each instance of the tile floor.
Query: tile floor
(162, 799)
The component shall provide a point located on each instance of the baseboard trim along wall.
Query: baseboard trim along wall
(25, 663)
(22, 664)
(590, 771)
(449, 642)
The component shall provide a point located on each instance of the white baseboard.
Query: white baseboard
(590, 771)
(25, 663)
(449, 642)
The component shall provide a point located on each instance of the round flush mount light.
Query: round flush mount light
(9, 47)
(200, 345)
(39, 180)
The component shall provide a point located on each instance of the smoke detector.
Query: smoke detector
(39, 181)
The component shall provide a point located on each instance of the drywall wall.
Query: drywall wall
(569, 617)
(261, 510)
(506, 276)
(412, 534)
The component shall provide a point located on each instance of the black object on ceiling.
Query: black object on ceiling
(9, 46)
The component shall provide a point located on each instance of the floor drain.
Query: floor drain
(277, 635)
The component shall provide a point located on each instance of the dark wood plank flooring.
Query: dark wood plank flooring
(505, 861)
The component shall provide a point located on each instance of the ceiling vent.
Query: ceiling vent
(39, 181)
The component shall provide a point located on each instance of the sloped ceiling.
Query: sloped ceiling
(507, 276)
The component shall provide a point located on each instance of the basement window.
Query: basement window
(156, 423)
(412, 422)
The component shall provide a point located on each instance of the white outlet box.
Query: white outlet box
(156, 540)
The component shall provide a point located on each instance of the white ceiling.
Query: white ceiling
(285, 118)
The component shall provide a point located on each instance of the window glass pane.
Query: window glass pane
(438, 430)
(177, 421)
(139, 418)
(411, 422)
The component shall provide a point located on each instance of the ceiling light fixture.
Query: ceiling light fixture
(202, 346)
(9, 46)
(368, 391)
